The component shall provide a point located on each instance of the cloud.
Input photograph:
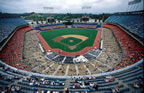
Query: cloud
(63, 6)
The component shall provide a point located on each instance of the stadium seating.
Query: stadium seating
(7, 26)
(91, 55)
(51, 27)
(11, 53)
(133, 22)
(127, 77)
(133, 50)
(84, 25)
(60, 26)
(124, 80)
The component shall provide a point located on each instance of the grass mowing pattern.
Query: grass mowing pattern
(50, 35)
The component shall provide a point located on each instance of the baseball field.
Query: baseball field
(70, 39)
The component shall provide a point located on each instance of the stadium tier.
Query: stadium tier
(75, 25)
(14, 28)
(133, 22)
(50, 27)
(7, 26)
(127, 80)
(133, 51)
(84, 25)
(114, 66)
(12, 52)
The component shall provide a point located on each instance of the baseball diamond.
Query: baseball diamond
(70, 39)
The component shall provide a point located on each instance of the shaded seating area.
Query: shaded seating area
(133, 22)
(7, 26)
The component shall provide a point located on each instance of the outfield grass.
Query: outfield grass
(50, 35)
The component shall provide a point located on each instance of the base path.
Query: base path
(64, 53)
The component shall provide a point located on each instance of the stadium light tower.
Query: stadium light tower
(102, 21)
(135, 5)
(101, 40)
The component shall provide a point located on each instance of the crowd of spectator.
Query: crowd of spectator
(87, 83)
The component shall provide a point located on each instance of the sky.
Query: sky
(64, 6)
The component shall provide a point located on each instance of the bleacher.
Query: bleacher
(133, 22)
(61, 26)
(86, 25)
(51, 27)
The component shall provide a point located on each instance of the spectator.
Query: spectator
(95, 86)
(136, 85)
(116, 90)
(66, 90)
(82, 86)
